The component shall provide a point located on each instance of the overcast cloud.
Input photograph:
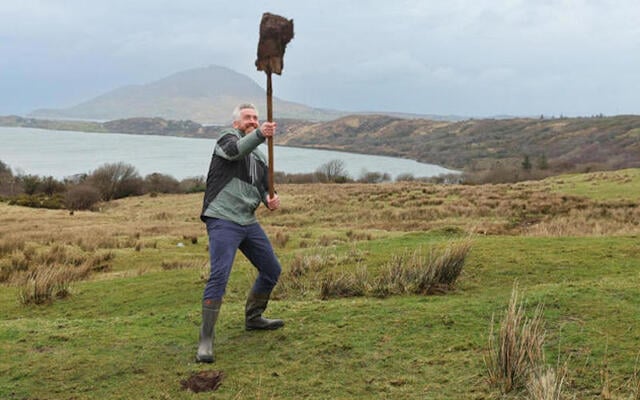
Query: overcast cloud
(463, 57)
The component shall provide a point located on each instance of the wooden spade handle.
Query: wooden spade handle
(270, 139)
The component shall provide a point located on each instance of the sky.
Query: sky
(473, 58)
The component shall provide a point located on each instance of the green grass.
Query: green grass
(622, 184)
(131, 332)
(134, 337)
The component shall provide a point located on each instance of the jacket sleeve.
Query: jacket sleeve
(231, 147)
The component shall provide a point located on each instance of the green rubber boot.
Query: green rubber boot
(256, 304)
(210, 311)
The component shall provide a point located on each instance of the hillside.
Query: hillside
(565, 144)
(205, 95)
(127, 329)
(137, 126)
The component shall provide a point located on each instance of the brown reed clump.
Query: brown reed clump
(101, 261)
(10, 244)
(404, 274)
(20, 263)
(54, 272)
(303, 274)
(516, 350)
(344, 284)
(280, 239)
(530, 208)
(418, 274)
(169, 265)
(546, 384)
(634, 381)
(448, 265)
(13, 264)
(46, 283)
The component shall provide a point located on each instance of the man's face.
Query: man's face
(248, 121)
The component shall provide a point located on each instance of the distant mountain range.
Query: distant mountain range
(556, 145)
(565, 144)
(205, 95)
(186, 103)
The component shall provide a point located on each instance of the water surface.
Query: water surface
(65, 153)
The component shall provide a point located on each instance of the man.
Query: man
(236, 185)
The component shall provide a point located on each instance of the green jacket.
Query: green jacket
(237, 178)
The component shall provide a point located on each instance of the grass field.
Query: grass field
(127, 328)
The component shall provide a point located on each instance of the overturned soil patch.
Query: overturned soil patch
(203, 381)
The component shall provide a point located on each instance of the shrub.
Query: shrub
(39, 201)
(30, 183)
(115, 181)
(4, 168)
(81, 197)
(51, 186)
(7, 180)
(314, 177)
(405, 178)
(333, 171)
(374, 177)
(75, 179)
(193, 185)
(161, 183)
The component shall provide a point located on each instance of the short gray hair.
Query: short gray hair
(240, 107)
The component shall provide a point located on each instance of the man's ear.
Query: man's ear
(235, 124)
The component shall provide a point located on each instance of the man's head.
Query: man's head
(245, 118)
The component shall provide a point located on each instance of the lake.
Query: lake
(64, 153)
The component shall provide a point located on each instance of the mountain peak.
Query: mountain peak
(206, 95)
(212, 82)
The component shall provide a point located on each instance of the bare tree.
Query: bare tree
(115, 181)
(333, 171)
(7, 180)
(161, 183)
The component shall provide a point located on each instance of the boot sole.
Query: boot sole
(204, 359)
(265, 328)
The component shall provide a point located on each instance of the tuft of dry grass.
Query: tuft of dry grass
(101, 261)
(531, 208)
(357, 236)
(21, 263)
(634, 381)
(46, 283)
(546, 384)
(280, 239)
(448, 265)
(418, 274)
(516, 351)
(303, 274)
(9, 245)
(411, 273)
(169, 265)
(344, 284)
